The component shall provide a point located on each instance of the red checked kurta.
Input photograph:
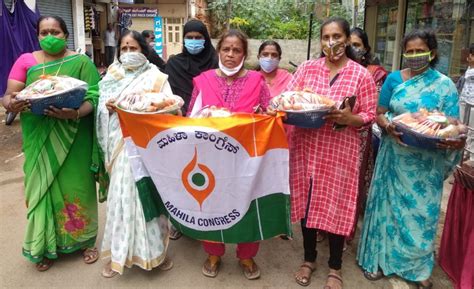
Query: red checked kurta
(328, 158)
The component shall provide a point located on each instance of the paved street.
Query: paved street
(278, 259)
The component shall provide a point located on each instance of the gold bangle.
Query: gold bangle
(78, 115)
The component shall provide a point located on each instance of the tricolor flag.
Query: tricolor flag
(217, 179)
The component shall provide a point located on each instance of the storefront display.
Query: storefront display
(386, 33)
(444, 19)
(451, 20)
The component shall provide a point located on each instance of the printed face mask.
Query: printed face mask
(358, 53)
(194, 46)
(52, 45)
(418, 61)
(334, 50)
(268, 64)
(230, 71)
(133, 60)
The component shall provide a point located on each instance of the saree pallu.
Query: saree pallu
(59, 171)
(404, 200)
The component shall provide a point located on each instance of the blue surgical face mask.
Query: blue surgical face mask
(194, 46)
(268, 64)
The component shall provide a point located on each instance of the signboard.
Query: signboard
(158, 28)
(139, 11)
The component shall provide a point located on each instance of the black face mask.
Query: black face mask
(358, 53)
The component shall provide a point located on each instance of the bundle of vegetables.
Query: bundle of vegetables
(150, 102)
(213, 111)
(48, 86)
(431, 124)
(301, 101)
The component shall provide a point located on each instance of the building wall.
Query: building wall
(292, 50)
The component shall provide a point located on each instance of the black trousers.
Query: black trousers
(336, 246)
(109, 55)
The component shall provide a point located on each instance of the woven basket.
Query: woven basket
(72, 98)
(307, 118)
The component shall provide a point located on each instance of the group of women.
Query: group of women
(328, 167)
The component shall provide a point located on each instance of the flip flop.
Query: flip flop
(305, 280)
(91, 255)
(166, 265)
(333, 276)
(44, 265)
(211, 269)
(250, 269)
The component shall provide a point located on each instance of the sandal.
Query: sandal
(250, 269)
(107, 272)
(91, 255)
(166, 265)
(304, 280)
(373, 276)
(335, 277)
(210, 268)
(44, 264)
(175, 234)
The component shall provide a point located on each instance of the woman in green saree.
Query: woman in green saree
(59, 149)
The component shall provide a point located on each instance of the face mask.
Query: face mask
(334, 50)
(418, 61)
(268, 64)
(358, 53)
(230, 71)
(133, 60)
(52, 45)
(194, 46)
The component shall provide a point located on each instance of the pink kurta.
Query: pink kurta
(328, 158)
(244, 94)
(279, 82)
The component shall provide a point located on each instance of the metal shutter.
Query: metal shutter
(62, 9)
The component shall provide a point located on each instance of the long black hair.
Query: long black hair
(138, 37)
(346, 28)
(367, 57)
(58, 19)
(427, 36)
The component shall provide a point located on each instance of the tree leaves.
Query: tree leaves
(277, 19)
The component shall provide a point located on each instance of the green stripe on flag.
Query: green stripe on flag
(270, 219)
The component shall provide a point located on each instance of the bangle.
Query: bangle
(78, 115)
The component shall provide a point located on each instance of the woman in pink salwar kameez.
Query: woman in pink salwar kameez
(240, 90)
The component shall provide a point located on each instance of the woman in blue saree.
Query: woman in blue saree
(405, 196)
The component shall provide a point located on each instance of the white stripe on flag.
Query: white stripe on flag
(254, 137)
(259, 222)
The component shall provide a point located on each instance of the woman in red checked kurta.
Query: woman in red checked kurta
(324, 162)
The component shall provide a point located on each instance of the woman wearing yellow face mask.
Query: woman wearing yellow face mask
(404, 200)
(61, 158)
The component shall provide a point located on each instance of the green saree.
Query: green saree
(59, 171)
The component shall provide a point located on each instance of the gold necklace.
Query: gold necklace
(44, 65)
